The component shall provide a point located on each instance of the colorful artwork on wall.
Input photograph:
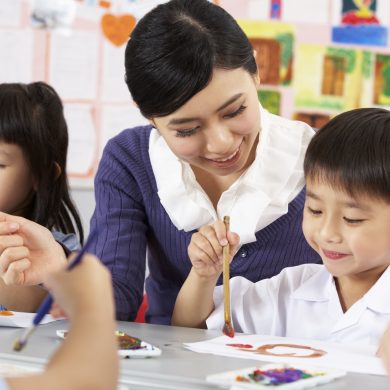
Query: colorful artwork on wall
(327, 78)
(270, 100)
(360, 24)
(273, 43)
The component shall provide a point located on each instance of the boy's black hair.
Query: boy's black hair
(352, 153)
(32, 117)
(174, 49)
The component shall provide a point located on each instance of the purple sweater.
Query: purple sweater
(132, 223)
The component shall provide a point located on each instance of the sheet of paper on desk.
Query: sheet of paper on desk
(22, 320)
(294, 351)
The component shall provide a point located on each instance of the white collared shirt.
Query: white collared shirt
(302, 302)
(259, 197)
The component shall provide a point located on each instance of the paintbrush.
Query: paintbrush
(21, 342)
(228, 326)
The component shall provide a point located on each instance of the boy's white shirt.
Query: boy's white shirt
(259, 197)
(302, 302)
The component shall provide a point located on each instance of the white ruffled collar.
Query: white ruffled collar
(259, 197)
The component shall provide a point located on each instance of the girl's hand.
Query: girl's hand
(384, 350)
(72, 299)
(28, 251)
(206, 248)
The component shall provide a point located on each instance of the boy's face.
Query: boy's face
(352, 235)
(15, 178)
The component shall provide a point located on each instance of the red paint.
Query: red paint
(240, 345)
(228, 329)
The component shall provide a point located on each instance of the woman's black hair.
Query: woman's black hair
(352, 153)
(174, 49)
(32, 117)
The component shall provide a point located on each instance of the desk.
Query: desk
(176, 369)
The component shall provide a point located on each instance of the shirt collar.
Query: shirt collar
(316, 288)
(251, 204)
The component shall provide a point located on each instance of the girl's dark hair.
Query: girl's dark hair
(174, 49)
(31, 116)
(352, 153)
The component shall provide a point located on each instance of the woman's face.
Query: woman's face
(217, 129)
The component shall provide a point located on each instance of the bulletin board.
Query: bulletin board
(316, 59)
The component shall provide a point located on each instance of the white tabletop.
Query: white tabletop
(177, 367)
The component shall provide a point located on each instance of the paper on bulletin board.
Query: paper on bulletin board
(114, 88)
(83, 143)
(11, 13)
(327, 78)
(305, 11)
(73, 69)
(17, 64)
(116, 118)
(273, 44)
(361, 22)
(376, 80)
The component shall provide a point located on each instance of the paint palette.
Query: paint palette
(129, 346)
(281, 376)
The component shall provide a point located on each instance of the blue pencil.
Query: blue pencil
(20, 343)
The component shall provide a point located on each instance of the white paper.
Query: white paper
(22, 320)
(10, 13)
(114, 88)
(117, 118)
(82, 138)
(306, 11)
(259, 9)
(74, 64)
(338, 356)
(16, 61)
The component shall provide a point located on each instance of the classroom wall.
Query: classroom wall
(316, 58)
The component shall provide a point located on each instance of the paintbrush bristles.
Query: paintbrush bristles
(21, 342)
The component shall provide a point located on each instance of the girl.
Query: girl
(33, 150)
(346, 221)
(80, 363)
(210, 150)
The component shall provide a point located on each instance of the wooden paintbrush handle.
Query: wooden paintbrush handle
(226, 273)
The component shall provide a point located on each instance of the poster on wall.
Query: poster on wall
(360, 23)
(273, 45)
(327, 78)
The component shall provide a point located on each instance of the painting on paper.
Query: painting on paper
(270, 100)
(359, 23)
(273, 44)
(327, 79)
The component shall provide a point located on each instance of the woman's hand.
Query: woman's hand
(28, 251)
(206, 248)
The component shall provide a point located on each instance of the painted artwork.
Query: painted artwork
(270, 100)
(327, 79)
(313, 119)
(276, 9)
(273, 44)
(375, 80)
(354, 358)
(360, 24)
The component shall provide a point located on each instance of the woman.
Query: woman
(211, 150)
